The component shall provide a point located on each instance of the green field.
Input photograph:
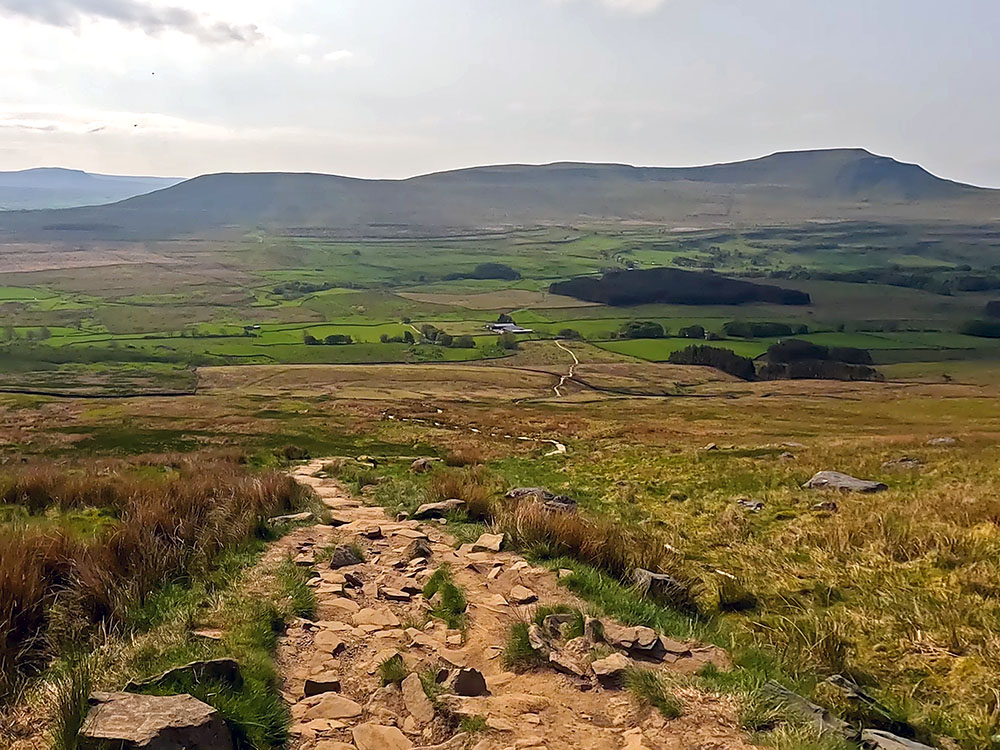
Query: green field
(228, 302)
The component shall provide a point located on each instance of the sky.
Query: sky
(394, 88)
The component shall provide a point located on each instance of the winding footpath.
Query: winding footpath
(372, 610)
(572, 368)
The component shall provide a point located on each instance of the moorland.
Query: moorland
(131, 365)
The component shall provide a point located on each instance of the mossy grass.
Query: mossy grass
(392, 671)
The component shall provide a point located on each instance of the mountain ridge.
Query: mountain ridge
(790, 185)
(62, 187)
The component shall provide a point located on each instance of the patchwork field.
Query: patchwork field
(255, 299)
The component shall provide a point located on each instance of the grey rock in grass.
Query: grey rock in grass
(834, 480)
(421, 466)
(290, 518)
(659, 586)
(818, 716)
(555, 623)
(904, 462)
(438, 510)
(126, 721)
(942, 441)
(551, 501)
(223, 671)
(879, 740)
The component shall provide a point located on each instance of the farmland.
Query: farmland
(254, 299)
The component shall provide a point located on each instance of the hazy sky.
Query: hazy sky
(388, 88)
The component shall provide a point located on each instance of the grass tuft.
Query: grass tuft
(448, 600)
(518, 655)
(392, 671)
(650, 689)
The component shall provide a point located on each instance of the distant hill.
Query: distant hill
(781, 188)
(54, 187)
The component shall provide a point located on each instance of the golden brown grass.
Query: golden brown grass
(56, 585)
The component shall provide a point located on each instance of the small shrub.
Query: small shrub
(468, 455)
(294, 453)
(473, 724)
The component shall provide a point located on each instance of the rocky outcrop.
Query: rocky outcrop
(125, 721)
(834, 480)
(796, 705)
(611, 671)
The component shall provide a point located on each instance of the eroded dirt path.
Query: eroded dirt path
(372, 610)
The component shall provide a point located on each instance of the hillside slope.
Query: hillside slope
(784, 187)
(54, 187)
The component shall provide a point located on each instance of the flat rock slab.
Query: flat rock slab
(522, 595)
(885, 741)
(334, 706)
(834, 480)
(127, 721)
(416, 700)
(488, 543)
(377, 737)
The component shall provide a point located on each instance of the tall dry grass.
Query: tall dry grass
(56, 586)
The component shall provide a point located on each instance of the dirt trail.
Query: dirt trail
(572, 368)
(370, 611)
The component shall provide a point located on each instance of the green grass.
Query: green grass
(451, 605)
(392, 671)
(518, 655)
(649, 688)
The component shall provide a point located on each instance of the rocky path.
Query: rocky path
(569, 373)
(370, 611)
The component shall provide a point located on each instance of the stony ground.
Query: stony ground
(370, 611)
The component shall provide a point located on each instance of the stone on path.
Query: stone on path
(488, 543)
(174, 722)
(416, 701)
(344, 556)
(333, 706)
(834, 480)
(329, 642)
(333, 745)
(522, 595)
(377, 737)
(611, 671)
(382, 617)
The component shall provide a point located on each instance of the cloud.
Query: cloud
(150, 19)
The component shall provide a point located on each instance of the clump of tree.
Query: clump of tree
(405, 338)
(692, 332)
(721, 359)
(797, 359)
(989, 329)
(487, 271)
(753, 330)
(296, 289)
(674, 286)
(508, 341)
(569, 333)
(334, 339)
(642, 329)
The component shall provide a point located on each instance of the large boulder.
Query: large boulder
(834, 480)
(125, 721)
